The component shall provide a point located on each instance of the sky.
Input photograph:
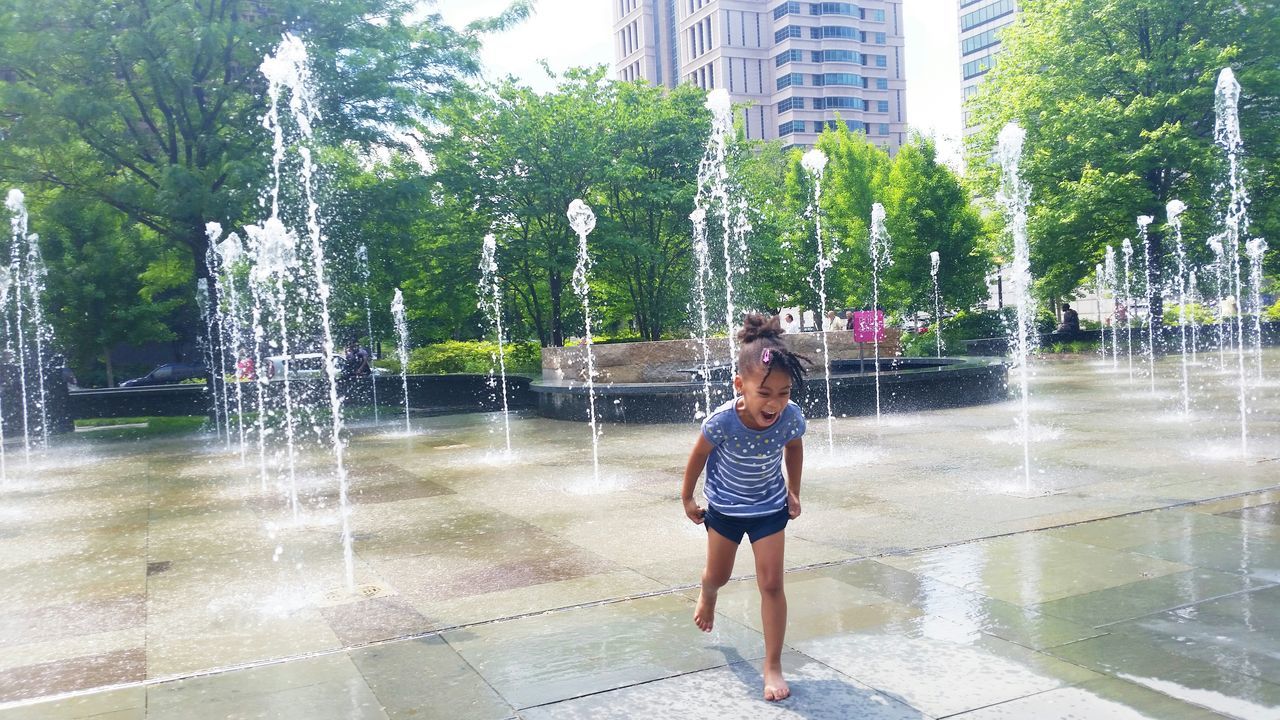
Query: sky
(566, 33)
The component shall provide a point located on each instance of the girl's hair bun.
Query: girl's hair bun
(757, 326)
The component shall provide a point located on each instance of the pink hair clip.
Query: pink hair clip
(766, 355)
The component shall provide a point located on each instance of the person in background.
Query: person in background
(790, 324)
(357, 360)
(832, 323)
(1070, 320)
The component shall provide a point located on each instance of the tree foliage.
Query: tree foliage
(1117, 98)
(518, 158)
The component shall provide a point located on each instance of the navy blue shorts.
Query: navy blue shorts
(756, 527)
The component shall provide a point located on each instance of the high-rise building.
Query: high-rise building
(980, 24)
(795, 67)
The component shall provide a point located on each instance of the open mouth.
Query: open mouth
(768, 417)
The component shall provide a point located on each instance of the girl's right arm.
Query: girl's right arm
(692, 470)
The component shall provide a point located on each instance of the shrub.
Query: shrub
(471, 356)
(1272, 314)
(1196, 314)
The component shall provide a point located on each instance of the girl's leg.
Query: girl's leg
(721, 552)
(773, 611)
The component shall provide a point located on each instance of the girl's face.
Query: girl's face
(763, 399)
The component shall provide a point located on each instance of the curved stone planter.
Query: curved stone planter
(906, 384)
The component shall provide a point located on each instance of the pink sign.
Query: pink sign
(868, 326)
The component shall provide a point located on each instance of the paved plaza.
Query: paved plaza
(1137, 574)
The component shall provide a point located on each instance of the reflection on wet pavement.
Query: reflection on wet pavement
(1140, 578)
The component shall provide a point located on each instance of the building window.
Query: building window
(788, 56)
(786, 8)
(882, 83)
(844, 56)
(793, 126)
(882, 61)
(787, 81)
(986, 14)
(835, 8)
(882, 106)
(839, 103)
(845, 79)
(981, 41)
(974, 68)
(792, 103)
(790, 31)
(882, 129)
(880, 38)
(834, 31)
(875, 15)
(970, 91)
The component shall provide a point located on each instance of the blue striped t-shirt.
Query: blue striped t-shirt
(744, 471)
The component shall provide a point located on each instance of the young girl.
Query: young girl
(743, 445)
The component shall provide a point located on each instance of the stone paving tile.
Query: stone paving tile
(1022, 625)
(57, 622)
(1129, 531)
(124, 704)
(942, 669)
(532, 598)
(1241, 632)
(1148, 596)
(425, 678)
(1269, 513)
(734, 691)
(547, 658)
(1238, 553)
(328, 687)
(1033, 568)
(379, 618)
(1208, 684)
(1104, 699)
(72, 674)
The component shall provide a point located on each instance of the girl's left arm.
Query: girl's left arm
(793, 457)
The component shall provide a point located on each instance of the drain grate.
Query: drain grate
(344, 595)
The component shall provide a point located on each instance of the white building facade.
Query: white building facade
(796, 67)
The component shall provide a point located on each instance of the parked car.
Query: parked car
(169, 374)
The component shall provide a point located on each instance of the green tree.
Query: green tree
(106, 282)
(927, 209)
(154, 108)
(655, 139)
(1117, 100)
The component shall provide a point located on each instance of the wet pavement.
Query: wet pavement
(1136, 576)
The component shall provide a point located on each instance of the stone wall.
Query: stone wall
(664, 360)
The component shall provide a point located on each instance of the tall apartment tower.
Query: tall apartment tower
(980, 24)
(796, 66)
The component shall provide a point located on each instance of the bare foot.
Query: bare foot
(775, 687)
(704, 615)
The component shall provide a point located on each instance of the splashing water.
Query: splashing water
(1256, 248)
(1174, 209)
(1226, 132)
(1111, 280)
(1127, 250)
(1144, 224)
(583, 221)
(288, 69)
(880, 259)
(362, 259)
(21, 290)
(1193, 297)
(1221, 291)
(491, 304)
(713, 196)
(1015, 196)
(935, 263)
(1100, 290)
(815, 162)
(702, 254)
(402, 349)
(228, 254)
